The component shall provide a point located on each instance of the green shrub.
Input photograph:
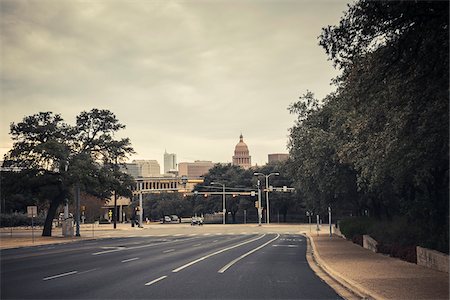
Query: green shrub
(353, 227)
(19, 219)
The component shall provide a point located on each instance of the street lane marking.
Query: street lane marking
(227, 266)
(196, 245)
(289, 246)
(60, 275)
(87, 271)
(156, 280)
(130, 259)
(215, 253)
(141, 246)
(170, 250)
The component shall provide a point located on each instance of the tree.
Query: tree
(235, 179)
(63, 156)
(382, 137)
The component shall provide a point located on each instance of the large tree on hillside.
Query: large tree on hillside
(62, 156)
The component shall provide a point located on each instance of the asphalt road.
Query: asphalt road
(244, 266)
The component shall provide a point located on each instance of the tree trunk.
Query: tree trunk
(50, 216)
(233, 217)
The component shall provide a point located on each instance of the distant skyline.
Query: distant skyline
(183, 76)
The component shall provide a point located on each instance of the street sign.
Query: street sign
(32, 211)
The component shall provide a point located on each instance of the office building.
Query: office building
(170, 163)
(195, 169)
(277, 157)
(142, 168)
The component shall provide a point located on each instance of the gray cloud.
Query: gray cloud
(188, 76)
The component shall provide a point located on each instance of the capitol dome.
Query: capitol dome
(241, 146)
(242, 156)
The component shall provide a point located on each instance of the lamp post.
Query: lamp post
(141, 209)
(267, 192)
(223, 198)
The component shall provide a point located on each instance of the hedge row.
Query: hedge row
(20, 219)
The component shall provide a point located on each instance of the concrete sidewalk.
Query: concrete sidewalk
(373, 275)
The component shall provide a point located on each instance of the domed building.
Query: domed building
(241, 155)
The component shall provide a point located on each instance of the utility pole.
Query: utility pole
(141, 209)
(329, 218)
(115, 210)
(259, 203)
(77, 213)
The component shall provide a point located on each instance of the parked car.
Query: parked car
(175, 219)
(196, 221)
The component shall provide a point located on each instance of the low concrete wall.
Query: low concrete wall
(369, 243)
(432, 259)
(338, 232)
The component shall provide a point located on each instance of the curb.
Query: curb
(346, 282)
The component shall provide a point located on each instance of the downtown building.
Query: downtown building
(170, 163)
(241, 155)
(277, 157)
(194, 169)
(142, 168)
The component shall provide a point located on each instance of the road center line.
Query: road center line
(60, 275)
(227, 266)
(156, 280)
(215, 253)
(167, 251)
(130, 259)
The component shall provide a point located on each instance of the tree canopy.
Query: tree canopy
(55, 156)
(379, 144)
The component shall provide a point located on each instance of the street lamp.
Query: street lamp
(223, 198)
(267, 192)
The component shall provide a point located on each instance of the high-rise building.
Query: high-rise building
(142, 168)
(241, 155)
(170, 162)
(131, 169)
(195, 169)
(148, 168)
(277, 157)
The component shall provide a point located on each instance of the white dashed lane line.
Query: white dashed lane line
(130, 259)
(60, 275)
(156, 280)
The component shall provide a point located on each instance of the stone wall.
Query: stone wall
(369, 243)
(432, 259)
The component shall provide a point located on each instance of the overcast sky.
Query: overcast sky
(186, 76)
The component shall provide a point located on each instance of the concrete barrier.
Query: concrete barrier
(369, 243)
(337, 231)
(432, 259)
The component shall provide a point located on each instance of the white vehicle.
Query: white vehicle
(196, 221)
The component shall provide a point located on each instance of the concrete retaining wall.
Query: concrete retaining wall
(338, 232)
(432, 259)
(369, 243)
